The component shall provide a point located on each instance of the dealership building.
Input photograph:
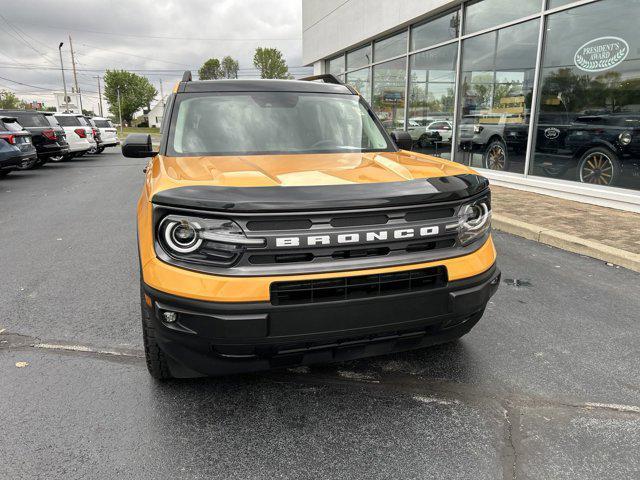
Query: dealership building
(540, 95)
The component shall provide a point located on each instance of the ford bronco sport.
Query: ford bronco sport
(279, 225)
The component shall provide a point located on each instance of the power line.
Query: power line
(25, 84)
(131, 54)
(49, 89)
(21, 38)
(162, 37)
(246, 71)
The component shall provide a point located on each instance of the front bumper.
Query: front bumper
(214, 338)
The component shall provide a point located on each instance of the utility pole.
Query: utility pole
(75, 76)
(99, 96)
(120, 113)
(64, 82)
(161, 93)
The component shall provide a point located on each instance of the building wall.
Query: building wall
(330, 26)
(522, 91)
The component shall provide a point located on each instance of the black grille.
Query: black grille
(275, 225)
(335, 223)
(365, 286)
(351, 253)
(359, 221)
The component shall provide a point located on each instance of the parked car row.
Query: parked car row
(29, 139)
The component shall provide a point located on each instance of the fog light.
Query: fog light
(170, 317)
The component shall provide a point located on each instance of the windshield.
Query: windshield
(83, 121)
(272, 122)
(102, 123)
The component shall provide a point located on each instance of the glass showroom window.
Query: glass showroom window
(361, 81)
(359, 58)
(432, 76)
(495, 94)
(588, 126)
(559, 3)
(483, 14)
(389, 93)
(390, 47)
(436, 31)
(336, 66)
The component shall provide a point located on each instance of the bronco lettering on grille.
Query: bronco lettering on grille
(362, 237)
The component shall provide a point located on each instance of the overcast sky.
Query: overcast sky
(153, 36)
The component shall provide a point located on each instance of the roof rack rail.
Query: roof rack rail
(186, 76)
(325, 77)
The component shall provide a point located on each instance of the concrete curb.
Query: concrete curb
(567, 242)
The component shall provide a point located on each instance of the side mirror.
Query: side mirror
(402, 139)
(138, 145)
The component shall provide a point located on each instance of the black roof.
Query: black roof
(262, 86)
(18, 111)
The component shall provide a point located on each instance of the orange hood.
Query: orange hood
(297, 170)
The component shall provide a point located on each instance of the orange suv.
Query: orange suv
(280, 225)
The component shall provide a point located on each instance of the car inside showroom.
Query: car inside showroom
(540, 95)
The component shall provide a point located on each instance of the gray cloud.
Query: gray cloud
(166, 36)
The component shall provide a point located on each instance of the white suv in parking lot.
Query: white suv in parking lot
(107, 131)
(79, 133)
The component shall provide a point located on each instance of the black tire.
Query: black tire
(4, 173)
(157, 363)
(28, 165)
(101, 149)
(424, 141)
(495, 156)
(599, 166)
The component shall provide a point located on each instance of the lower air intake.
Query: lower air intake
(364, 286)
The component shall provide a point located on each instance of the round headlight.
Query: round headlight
(182, 236)
(475, 216)
(625, 138)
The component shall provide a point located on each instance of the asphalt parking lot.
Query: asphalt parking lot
(547, 386)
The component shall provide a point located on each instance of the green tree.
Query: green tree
(271, 63)
(210, 70)
(9, 101)
(229, 67)
(136, 92)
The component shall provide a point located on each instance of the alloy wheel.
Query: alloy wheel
(496, 157)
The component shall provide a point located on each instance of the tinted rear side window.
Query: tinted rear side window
(52, 121)
(68, 121)
(32, 120)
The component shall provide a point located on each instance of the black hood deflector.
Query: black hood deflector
(328, 197)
